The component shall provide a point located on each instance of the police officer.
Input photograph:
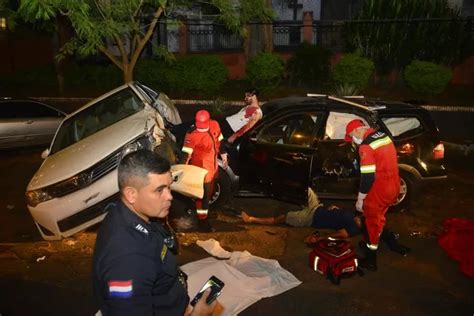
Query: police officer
(202, 144)
(379, 184)
(134, 271)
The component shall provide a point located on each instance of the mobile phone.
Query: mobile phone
(216, 286)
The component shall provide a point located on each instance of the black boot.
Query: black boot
(370, 260)
(391, 239)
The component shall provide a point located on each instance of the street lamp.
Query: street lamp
(3, 24)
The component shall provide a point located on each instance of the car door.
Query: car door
(40, 122)
(276, 158)
(335, 172)
(12, 127)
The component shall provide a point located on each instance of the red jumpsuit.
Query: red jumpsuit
(202, 148)
(379, 179)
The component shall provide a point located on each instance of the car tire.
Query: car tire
(408, 190)
(222, 190)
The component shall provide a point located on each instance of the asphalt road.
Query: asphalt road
(53, 278)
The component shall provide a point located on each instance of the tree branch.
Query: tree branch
(112, 58)
(142, 42)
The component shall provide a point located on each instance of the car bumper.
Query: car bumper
(62, 217)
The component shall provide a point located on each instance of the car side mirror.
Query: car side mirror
(45, 153)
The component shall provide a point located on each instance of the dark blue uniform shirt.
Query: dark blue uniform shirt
(335, 219)
(134, 271)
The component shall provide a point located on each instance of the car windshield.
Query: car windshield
(96, 117)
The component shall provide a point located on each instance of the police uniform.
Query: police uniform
(134, 271)
(379, 180)
(203, 146)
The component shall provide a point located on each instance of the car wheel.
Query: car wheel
(222, 189)
(408, 189)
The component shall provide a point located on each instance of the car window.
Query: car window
(403, 126)
(96, 117)
(31, 109)
(292, 130)
(336, 125)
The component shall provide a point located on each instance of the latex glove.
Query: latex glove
(225, 161)
(360, 202)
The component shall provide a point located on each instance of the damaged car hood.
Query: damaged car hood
(87, 152)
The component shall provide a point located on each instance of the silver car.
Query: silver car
(27, 123)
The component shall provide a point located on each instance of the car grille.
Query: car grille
(87, 214)
(105, 166)
(86, 177)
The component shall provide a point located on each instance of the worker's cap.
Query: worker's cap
(202, 119)
(350, 127)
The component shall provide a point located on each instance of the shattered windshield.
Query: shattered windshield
(96, 117)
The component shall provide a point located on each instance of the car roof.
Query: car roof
(5, 99)
(344, 104)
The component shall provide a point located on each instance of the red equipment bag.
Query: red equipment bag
(334, 258)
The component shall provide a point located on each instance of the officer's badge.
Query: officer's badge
(164, 250)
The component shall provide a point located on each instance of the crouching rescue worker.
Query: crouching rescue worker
(134, 270)
(202, 145)
(379, 183)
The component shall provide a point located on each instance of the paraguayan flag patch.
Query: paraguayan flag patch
(120, 288)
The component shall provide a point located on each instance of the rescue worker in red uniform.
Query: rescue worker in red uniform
(201, 146)
(379, 184)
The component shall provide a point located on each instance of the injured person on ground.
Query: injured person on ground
(346, 223)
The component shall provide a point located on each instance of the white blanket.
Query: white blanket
(247, 279)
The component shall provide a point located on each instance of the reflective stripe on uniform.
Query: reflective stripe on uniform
(187, 150)
(367, 169)
(372, 247)
(201, 212)
(220, 137)
(380, 142)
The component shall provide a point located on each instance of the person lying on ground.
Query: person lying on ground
(346, 223)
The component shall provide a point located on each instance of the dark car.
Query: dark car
(26, 122)
(300, 143)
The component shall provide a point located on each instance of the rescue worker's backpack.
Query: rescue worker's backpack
(334, 258)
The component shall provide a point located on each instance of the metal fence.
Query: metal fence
(205, 37)
(287, 35)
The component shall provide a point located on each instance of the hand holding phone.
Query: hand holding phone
(215, 285)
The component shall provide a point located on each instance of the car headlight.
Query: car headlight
(140, 143)
(36, 197)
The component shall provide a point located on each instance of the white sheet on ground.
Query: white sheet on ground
(247, 279)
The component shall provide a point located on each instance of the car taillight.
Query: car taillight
(438, 151)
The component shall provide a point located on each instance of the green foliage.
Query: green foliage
(310, 65)
(44, 76)
(412, 29)
(218, 108)
(265, 71)
(95, 76)
(354, 70)
(426, 77)
(203, 74)
(97, 24)
(346, 89)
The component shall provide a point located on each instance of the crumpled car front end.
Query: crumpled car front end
(77, 182)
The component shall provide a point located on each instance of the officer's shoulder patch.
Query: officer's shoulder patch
(120, 288)
(141, 229)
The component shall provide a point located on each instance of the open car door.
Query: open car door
(276, 158)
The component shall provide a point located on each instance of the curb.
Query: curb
(435, 108)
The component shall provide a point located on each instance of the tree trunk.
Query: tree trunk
(127, 73)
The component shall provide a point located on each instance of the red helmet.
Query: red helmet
(202, 119)
(352, 125)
